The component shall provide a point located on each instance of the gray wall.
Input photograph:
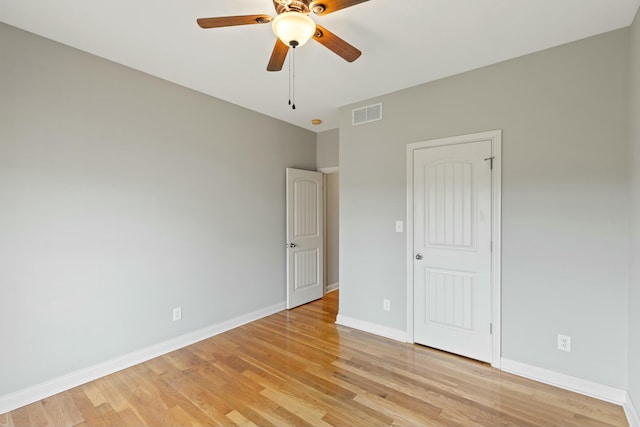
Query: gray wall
(634, 282)
(564, 116)
(123, 196)
(327, 150)
(332, 260)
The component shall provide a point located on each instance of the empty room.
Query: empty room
(320, 212)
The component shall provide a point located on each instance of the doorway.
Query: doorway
(332, 228)
(312, 224)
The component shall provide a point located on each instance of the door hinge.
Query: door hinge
(491, 245)
(490, 162)
(490, 328)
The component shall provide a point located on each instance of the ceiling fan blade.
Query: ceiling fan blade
(278, 56)
(336, 44)
(229, 21)
(324, 7)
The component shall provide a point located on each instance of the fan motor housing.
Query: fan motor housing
(301, 6)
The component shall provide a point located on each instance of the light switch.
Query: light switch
(399, 227)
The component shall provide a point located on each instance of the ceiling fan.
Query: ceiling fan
(294, 27)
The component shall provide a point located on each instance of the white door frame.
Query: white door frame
(325, 171)
(496, 225)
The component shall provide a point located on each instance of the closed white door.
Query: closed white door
(452, 248)
(305, 281)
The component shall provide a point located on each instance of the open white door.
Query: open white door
(305, 281)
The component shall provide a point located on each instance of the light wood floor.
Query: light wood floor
(298, 368)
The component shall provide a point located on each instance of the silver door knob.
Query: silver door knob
(418, 256)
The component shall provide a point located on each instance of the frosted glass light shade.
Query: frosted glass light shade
(293, 26)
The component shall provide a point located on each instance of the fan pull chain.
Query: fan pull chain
(292, 78)
(289, 77)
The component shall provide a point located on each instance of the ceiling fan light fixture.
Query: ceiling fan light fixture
(293, 28)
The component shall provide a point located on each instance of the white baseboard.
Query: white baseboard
(9, 402)
(567, 382)
(373, 328)
(332, 287)
(631, 412)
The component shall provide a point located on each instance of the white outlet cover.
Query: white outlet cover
(177, 314)
(564, 343)
(399, 226)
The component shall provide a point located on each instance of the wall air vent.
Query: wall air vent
(367, 114)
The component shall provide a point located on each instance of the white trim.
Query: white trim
(567, 382)
(332, 287)
(326, 171)
(496, 239)
(631, 412)
(11, 401)
(496, 226)
(409, 254)
(330, 169)
(372, 328)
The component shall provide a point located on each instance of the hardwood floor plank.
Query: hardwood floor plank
(243, 394)
(184, 418)
(6, 420)
(91, 416)
(19, 417)
(415, 392)
(106, 390)
(340, 409)
(109, 416)
(93, 392)
(142, 397)
(175, 399)
(339, 406)
(298, 368)
(273, 419)
(129, 418)
(400, 415)
(37, 415)
(240, 419)
(209, 349)
(297, 406)
(61, 410)
(196, 391)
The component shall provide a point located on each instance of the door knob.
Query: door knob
(291, 245)
(418, 256)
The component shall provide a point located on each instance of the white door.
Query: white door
(305, 281)
(452, 248)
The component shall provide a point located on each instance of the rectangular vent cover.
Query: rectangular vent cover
(367, 114)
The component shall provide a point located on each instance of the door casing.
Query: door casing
(495, 137)
(326, 171)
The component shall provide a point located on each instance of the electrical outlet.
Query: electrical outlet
(386, 305)
(399, 226)
(564, 343)
(177, 314)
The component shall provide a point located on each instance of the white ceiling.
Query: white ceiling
(403, 43)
